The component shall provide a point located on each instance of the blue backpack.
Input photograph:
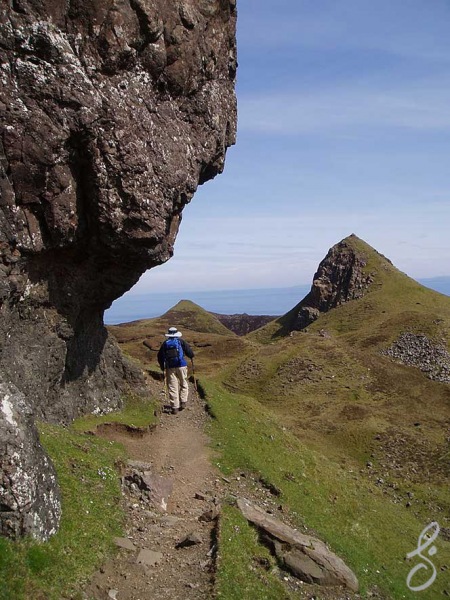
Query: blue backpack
(174, 353)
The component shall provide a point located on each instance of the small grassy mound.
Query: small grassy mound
(137, 413)
(192, 316)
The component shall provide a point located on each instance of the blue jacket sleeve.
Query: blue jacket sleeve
(162, 356)
(187, 349)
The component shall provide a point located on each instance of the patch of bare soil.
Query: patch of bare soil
(151, 565)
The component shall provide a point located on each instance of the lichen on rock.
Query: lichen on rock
(29, 493)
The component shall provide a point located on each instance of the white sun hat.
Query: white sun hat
(173, 332)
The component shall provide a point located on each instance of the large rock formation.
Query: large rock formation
(341, 276)
(112, 113)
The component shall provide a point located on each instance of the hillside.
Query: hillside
(350, 399)
(340, 430)
(383, 293)
(211, 341)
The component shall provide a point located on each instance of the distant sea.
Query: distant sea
(269, 301)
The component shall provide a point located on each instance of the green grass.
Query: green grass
(392, 302)
(91, 517)
(362, 525)
(137, 413)
(87, 469)
(240, 577)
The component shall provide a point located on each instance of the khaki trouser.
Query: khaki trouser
(177, 383)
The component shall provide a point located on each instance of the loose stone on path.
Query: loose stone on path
(149, 558)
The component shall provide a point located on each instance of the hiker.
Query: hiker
(171, 358)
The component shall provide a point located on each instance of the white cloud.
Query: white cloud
(250, 252)
(415, 105)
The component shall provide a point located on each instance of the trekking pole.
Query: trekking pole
(195, 380)
(166, 391)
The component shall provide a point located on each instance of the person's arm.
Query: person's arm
(187, 349)
(162, 357)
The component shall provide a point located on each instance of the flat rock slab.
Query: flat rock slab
(169, 521)
(148, 558)
(124, 543)
(306, 557)
(160, 488)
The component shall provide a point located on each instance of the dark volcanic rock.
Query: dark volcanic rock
(112, 113)
(340, 277)
(242, 324)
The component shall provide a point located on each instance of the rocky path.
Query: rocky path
(149, 563)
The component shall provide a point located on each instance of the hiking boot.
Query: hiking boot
(174, 411)
(183, 405)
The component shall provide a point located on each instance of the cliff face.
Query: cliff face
(340, 277)
(112, 113)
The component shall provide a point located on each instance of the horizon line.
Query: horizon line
(252, 289)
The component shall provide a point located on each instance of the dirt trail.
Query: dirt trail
(177, 449)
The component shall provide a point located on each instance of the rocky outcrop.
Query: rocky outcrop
(112, 113)
(416, 350)
(242, 324)
(341, 277)
(29, 494)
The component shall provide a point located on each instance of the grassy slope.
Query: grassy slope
(358, 521)
(341, 387)
(304, 412)
(91, 517)
(356, 412)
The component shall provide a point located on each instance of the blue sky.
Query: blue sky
(344, 127)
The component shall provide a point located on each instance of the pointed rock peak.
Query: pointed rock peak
(346, 273)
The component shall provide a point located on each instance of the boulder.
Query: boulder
(29, 493)
(307, 557)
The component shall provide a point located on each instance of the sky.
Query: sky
(343, 127)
